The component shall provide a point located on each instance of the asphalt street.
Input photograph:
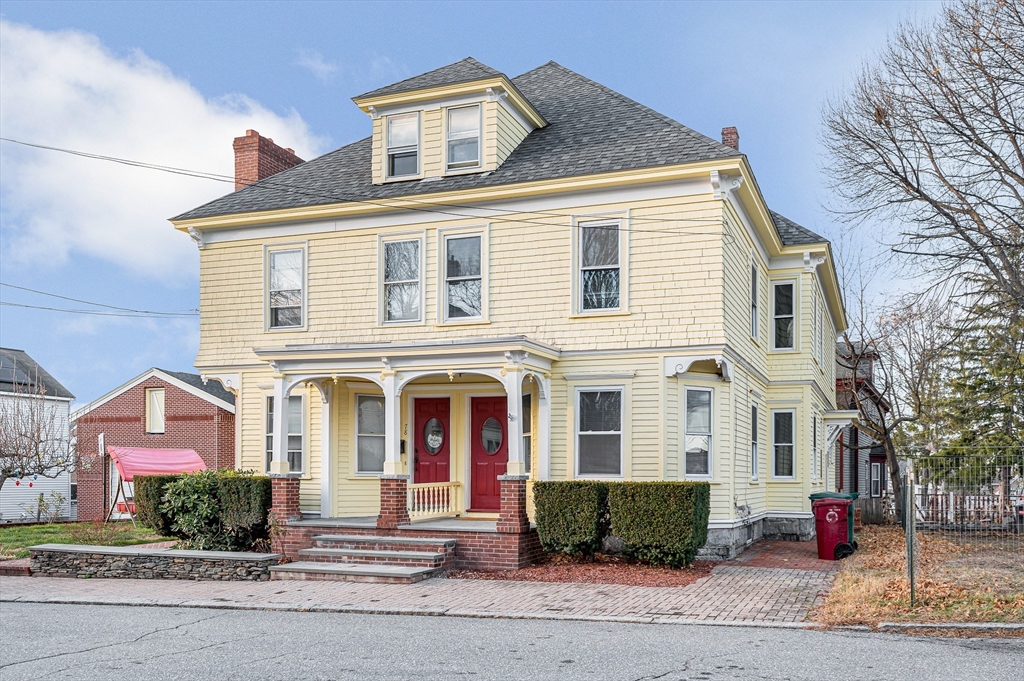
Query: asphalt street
(43, 641)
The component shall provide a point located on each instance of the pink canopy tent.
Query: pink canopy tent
(133, 461)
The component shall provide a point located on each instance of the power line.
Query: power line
(97, 312)
(109, 307)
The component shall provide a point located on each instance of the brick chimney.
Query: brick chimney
(258, 157)
(731, 137)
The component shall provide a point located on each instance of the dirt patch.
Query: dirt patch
(601, 570)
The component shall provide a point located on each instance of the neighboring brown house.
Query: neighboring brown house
(860, 461)
(159, 409)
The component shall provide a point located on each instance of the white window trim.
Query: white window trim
(276, 248)
(875, 480)
(816, 330)
(772, 443)
(443, 235)
(382, 313)
(388, 177)
(796, 318)
(815, 434)
(621, 389)
(448, 170)
(755, 441)
(149, 417)
(711, 432)
(356, 434)
(623, 224)
(305, 430)
(755, 302)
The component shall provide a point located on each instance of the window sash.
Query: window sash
(457, 140)
(753, 301)
(696, 433)
(369, 439)
(784, 450)
(609, 440)
(155, 423)
(285, 302)
(784, 331)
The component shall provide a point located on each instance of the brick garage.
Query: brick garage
(196, 416)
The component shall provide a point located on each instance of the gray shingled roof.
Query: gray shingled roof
(464, 71)
(19, 372)
(213, 388)
(591, 130)
(793, 234)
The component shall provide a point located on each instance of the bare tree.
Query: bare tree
(34, 435)
(931, 137)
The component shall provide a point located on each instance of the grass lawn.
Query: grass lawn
(14, 539)
(955, 582)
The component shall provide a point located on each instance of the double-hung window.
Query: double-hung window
(753, 301)
(155, 410)
(403, 145)
(814, 446)
(294, 421)
(784, 317)
(463, 280)
(783, 443)
(527, 431)
(697, 440)
(754, 426)
(876, 480)
(401, 270)
(600, 266)
(599, 432)
(285, 290)
(464, 137)
(816, 331)
(369, 434)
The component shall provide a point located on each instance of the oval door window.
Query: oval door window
(433, 436)
(491, 435)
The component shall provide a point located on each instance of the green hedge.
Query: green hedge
(149, 495)
(571, 515)
(218, 510)
(660, 522)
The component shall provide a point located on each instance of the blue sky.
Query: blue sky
(173, 83)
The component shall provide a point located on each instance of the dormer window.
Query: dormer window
(403, 145)
(464, 137)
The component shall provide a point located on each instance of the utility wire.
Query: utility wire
(184, 313)
(98, 312)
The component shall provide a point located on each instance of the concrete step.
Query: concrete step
(380, 543)
(427, 559)
(345, 572)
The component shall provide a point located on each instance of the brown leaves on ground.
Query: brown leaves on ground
(602, 570)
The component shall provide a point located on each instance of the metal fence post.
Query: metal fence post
(908, 523)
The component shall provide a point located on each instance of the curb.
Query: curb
(973, 626)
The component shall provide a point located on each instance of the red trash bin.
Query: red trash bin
(830, 524)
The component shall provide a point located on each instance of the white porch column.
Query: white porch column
(392, 426)
(543, 428)
(514, 390)
(326, 455)
(279, 461)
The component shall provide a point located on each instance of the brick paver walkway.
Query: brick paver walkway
(734, 592)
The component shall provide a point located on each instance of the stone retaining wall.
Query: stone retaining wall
(68, 560)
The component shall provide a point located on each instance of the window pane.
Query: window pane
(784, 428)
(464, 120)
(784, 332)
(600, 454)
(294, 444)
(295, 461)
(371, 454)
(370, 415)
(406, 163)
(403, 131)
(463, 257)
(464, 298)
(698, 411)
(295, 415)
(784, 461)
(784, 299)
(401, 261)
(286, 271)
(753, 424)
(527, 451)
(527, 414)
(599, 246)
(403, 301)
(697, 454)
(286, 316)
(292, 298)
(600, 289)
(600, 411)
(464, 151)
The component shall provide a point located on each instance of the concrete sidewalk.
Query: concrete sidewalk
(749, 592)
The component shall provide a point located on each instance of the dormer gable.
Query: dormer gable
(459, 119)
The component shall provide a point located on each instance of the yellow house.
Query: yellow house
(518, 279)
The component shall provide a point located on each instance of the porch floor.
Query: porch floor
(431, 525)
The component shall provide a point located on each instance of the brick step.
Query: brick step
(427, 559)
(344, 572)
(378, 543)
(18, 567)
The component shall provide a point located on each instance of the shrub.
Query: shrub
(218, 510)
(149, 495)
(571, 515)
(664, 523)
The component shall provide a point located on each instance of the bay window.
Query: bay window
(697, 438)
(783, 443)
(784, 316)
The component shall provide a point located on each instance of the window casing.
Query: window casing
(876, 480)
(369, 434)
(599, 417)
(753, 301)
(286, 288)
(463, 277)
(783, 311)
(155, 411)
(814, 446)
(754, 426)
(403, 145)
(294, 424)
(600, 269)
(401, 272)
(816, 330)
(783, 443)
(528, 431)
(697, 436)
(463, 144)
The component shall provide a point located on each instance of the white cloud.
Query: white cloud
(315, 63)
(65, 89)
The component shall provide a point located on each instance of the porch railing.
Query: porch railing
(432, 499)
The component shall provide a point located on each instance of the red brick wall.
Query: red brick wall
(190, 422)
(257, 158)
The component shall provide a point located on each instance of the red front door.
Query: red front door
(489, 452)
(432, 436)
